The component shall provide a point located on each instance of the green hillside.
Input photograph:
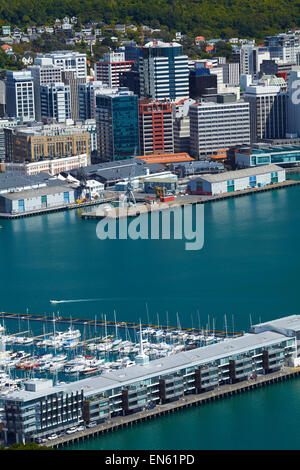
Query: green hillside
(211, 18)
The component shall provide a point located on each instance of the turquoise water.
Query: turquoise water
(249, 265)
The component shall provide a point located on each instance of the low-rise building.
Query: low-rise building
(221, 183)
(264, 154)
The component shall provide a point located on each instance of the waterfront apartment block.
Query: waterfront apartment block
(38, 143)
(41, 408)
(216, 126)
(156, 127)
(229, 181)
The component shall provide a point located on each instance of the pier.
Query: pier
(109, 323)
(111, 197)
(187, 401)
(143, 207)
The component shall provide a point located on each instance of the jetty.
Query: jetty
(144, 207)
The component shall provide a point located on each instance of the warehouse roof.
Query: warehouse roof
(59, 187)
(12, 181)
(228, 175)
(120, 169)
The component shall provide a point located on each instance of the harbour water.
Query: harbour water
(248, 268)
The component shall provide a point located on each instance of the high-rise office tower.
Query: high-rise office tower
(44, 73)
(164, 71)
(268, 111)
(20, 95)
(156, 127)
(218, 126)
(117, 125)
(87, 98)
(56, 102)
(70, 78)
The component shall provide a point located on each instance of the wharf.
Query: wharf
(179, 201)
(188, 401)
(108, 323)
(46, 210)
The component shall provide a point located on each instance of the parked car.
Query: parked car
(52, 437)
(92, 425)
(71, 430)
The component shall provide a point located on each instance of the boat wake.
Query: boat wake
(72, 301)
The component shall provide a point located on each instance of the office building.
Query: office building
(20, 95)
(284, 152)
(268, 111)
(164, 71)
(218, 126)
(56, 102)
(108, 69)
(283, 46)
(69, 77)
(44, 73)
(5, 123)
(68, 61)
(156, 127)
(87, 97)
(181, 125)
(202, 82)
(44, 142)
(117, 125)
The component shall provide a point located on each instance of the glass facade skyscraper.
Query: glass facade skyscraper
(117, 125)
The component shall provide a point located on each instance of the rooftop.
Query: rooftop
(59, 187)
(258, 170)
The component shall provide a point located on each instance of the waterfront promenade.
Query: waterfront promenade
(188, 401)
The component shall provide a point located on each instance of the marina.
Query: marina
(53, 410)
(80, 351)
